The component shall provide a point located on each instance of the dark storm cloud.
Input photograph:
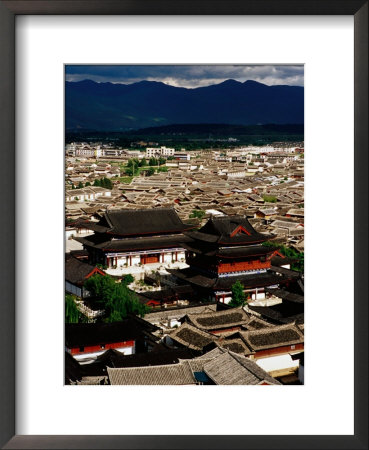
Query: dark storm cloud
(189, 76)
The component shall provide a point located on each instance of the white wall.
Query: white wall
(168, 258)
(122, 260)
(258, 296)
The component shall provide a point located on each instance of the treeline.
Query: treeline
(102, 182)
(188, 131)
(219, 129)
(196, 136)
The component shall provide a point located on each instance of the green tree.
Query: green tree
(72, 314)
(117, 300)
(153, 162)
(161, 161)
(238, 296)
(150, 171)
(143, 162)
(109, 183)
(163, 169)
(97, 182)
(87, 184)
(288, 252)
(132, 166)
(101, 287)
(127, 279)
(106, 183)
(269, 198)
(80, 185)
(197, 214)
(122, 303)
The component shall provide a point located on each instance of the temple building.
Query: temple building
(126, 238)
(228, 249)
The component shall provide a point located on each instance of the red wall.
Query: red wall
(242, 265)
(97, 348)
(278, 350)
(146, 259)
(224, 330)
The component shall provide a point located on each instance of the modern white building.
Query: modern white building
(154, 152)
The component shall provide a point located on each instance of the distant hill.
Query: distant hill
(123, 107)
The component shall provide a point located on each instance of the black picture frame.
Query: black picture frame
(8, 12)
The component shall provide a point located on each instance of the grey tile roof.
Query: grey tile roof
(76, 271)
(192, 337)
(256, 324)
(236, 345)
(222, 366)
(173, 313)
(173, 374)
(219, 319)
(277, 336)
(233, 369)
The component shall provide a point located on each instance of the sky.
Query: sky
(189, 76)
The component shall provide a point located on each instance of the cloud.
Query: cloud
(189, 76)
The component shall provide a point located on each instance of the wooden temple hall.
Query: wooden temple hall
(228, 249)
(125, 238)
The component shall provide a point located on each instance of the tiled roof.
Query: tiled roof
(76, 271)
(256, 324)
(236, 345)
(192, 337)
(176, 313)
(278, 336)
(223, 367)
(173, 374)
(223, 229)
(219, 319)
(232, 369)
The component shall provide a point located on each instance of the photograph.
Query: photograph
(165, 143)
(184, 224)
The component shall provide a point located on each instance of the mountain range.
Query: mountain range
(122, 107)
